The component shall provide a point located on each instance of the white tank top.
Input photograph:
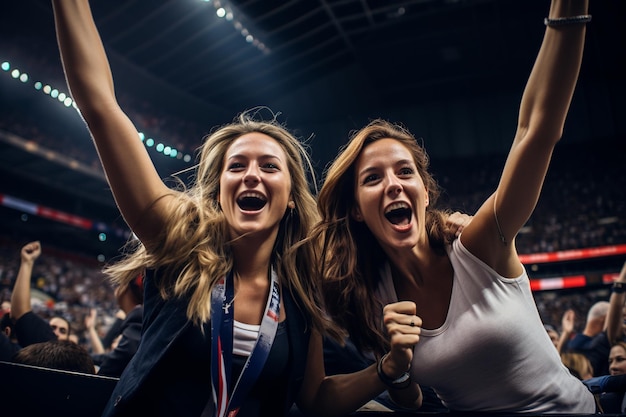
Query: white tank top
(492, 352)
(244, 338)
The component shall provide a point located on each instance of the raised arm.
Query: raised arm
(135, 183)
(543, 109)
(567, 330)
(615, 317)
(92, 332)
(20, 297)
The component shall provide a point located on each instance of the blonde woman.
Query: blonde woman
(231, 323)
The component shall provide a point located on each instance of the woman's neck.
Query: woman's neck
(251, 279)
(252, 258)
(412, 264)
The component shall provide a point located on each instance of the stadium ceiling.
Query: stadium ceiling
(316, 60)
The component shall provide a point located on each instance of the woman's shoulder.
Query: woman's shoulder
(466, 263)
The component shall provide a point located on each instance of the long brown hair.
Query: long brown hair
(351, 256)
(194, 250)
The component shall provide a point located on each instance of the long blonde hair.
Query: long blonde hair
(194, 249)
(351, 255)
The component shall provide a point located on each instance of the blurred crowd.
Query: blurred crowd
(62, 284)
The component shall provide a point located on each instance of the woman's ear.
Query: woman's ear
(291, 204)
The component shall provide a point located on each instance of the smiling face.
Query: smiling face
(255, 185)
(617, 360)
(390, 195)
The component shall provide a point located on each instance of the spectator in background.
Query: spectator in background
(611, 388)
(8, 342)
(560, 340)
(57, 354)
(617, 359)
(61, 327)
(93, 336)
(554, 335)
(29, 327)
(114, 331)
(7, 327)
(616, 316)
(578, 365)
(592, 341)
(5, 307)
(130, 300)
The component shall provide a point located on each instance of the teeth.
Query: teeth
(396, 206)
(251, 194)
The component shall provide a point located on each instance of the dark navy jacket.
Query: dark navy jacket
(164, 322)
(113, 363)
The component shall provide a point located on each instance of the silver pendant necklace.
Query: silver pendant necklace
(227, 304)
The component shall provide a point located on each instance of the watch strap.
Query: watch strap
(619, 287)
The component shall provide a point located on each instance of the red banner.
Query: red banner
(572, 255)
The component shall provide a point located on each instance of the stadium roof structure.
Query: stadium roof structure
(319, 60)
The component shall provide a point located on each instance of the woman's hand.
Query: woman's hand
(455, 223)
(403, 328)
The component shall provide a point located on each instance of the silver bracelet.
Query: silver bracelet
(402, 382)
(563, 21)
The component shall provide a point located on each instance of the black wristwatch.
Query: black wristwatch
(403, 381)
(619, 287)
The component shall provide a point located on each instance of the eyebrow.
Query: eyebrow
(265, 156)
(397, 163)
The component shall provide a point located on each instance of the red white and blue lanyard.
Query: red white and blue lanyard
(228, 403)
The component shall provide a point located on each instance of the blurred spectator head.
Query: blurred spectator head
(554, 335)
(578, 365)
(617, 359)
(6, 325)
(598, 311)
(60, 327)
(57, 354)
